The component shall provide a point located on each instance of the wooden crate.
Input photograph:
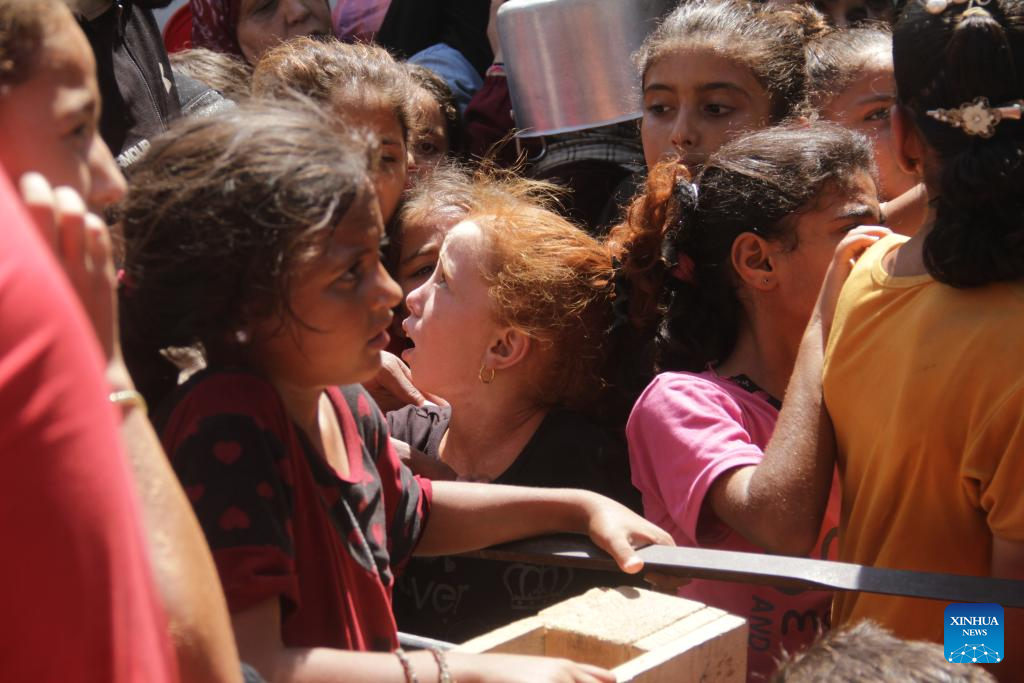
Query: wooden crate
(641, 635)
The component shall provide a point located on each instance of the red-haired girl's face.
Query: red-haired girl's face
(341, 303)
(262, 24)
(694, 101)
(451, 317)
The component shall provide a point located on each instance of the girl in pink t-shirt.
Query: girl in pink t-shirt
(735, 269)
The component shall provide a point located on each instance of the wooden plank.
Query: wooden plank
(714, 653)
(523, 637)
(621, 615)
(640, 635)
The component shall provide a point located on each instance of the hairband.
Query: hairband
(682, 268)
(685, 270)
(978, 117)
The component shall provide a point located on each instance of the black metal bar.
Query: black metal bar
(772, 570)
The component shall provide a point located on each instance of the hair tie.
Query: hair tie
(685, 269)
(125, 280)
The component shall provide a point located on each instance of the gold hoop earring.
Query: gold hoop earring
(486, 379)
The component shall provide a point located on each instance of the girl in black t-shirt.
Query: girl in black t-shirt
(510, 330)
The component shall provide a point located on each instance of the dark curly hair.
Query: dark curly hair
(220, 214)
(942, 61)
(760, 183)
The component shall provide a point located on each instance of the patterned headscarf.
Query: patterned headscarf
(215, 25)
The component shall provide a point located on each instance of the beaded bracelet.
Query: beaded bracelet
(410, 675)
(444, 673)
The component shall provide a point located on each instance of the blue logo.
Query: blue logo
(974, 633)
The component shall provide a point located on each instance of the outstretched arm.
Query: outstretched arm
(465, 516)
(258, 632)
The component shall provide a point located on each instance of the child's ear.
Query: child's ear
(906, 140)
(509, 348)
(752, 260)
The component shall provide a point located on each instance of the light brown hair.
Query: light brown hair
(336, 73)
(867, 653)
(228, 74)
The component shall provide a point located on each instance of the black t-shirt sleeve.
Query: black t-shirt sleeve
(406, 496)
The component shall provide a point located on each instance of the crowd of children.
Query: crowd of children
(279, 349)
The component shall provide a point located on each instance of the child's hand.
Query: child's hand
(468, 668)
(619, 532)
(847, 252)
(392, 387)
(81, 242)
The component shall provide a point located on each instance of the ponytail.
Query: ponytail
(675, 247)
(943, 61)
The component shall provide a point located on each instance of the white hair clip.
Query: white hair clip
(978, 117)
(940, 6)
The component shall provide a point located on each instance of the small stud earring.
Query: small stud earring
(764, 281)
(242, 337)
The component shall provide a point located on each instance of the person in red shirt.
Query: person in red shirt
(49, 138)
(78, 597)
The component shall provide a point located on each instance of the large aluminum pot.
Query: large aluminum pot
(569, 62)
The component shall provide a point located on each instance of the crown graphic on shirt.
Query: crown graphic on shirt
(532, 587)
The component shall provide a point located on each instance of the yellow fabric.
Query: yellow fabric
(925, 385)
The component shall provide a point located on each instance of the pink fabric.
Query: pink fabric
(214, 25)
(359, 19)
(685, 430)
